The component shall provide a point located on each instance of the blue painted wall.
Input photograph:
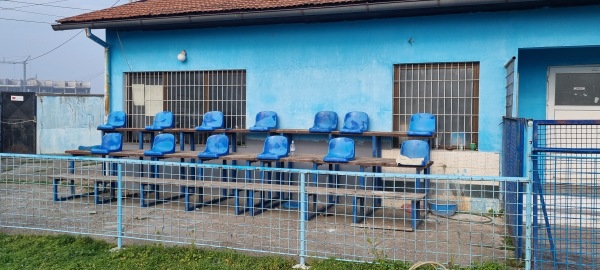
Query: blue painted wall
(533, 71)
(299, 69)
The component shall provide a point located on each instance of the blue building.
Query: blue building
(468, 62)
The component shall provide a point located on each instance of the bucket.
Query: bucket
(444, 209)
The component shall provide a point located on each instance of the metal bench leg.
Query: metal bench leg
(236, 201)
(156, 189)
(187, 193)
(143, 192)
(233, 177)
(55, 183)
(143, 195)
(71, 186)
(250, 201)
(200, 171)
(224, 192)
(154, 169)
(192, 172)
(141, 139)
(355, 200)
(113, 189)
(355, 210)
(415, 214)
(97, 192)
(72, 166)
(359, 210)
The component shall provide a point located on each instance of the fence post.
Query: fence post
(528, 195)
(303, 218)
(119, 205)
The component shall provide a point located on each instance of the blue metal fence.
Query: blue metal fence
(290, 212)
(566, 218)
(513, 160)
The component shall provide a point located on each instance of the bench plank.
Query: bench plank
(246, 186)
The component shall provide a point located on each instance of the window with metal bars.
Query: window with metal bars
(450, 91)
(188, 95)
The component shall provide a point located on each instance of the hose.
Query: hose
(434, 264)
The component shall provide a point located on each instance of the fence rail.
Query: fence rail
(566, 217)
(293, 212)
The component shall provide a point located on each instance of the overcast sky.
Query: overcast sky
(25, 31)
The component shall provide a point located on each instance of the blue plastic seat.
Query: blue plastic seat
(162, 120)
(340, 150)
(355, 123)
(111, 142)
(265, 121)
(216, 146)
(163, 144)
(325, 121)
(421, 124)
(276, 147)
(116, 119)
(415, 149)
(211, 120)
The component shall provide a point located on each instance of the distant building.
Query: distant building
(47, 86)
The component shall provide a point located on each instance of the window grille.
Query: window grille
(188, 95)
(510, 86)
(450, 91)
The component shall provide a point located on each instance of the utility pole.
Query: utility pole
(24, 62)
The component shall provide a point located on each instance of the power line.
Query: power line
(34, 4)
(38, 13)
(17, 20)
(65, 41)
(41, 55)
(89, 76)
(46, 5)
(56, 46)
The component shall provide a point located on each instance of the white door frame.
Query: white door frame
(551, 84)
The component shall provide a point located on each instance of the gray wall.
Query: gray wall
(68, 121)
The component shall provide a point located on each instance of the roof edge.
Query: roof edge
(315, 14)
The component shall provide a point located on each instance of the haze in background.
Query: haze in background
(25, 31)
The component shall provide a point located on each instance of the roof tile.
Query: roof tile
(157, 8)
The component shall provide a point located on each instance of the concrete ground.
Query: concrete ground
(463, 239)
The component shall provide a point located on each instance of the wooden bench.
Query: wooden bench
(376, 136)
(359, 210)
(360, 193)
(104, 184)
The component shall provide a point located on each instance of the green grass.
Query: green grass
(76, 252)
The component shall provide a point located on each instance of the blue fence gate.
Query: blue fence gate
(566, 217)
(513, 158)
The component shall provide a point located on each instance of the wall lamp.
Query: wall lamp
(182, 56)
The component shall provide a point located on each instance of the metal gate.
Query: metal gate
(566, 217)
(18, 123)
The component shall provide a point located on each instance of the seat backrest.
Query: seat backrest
(164, 120)
(340, 150)
(212, 119)
(217, 144)
(355, 122)
(415, 149)
(112, 142)
(422, 124)
(117, 119)
(164, 143)
(266, 119)
(275, 147)
(326, 120)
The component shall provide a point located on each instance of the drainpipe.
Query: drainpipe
(88, 33)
